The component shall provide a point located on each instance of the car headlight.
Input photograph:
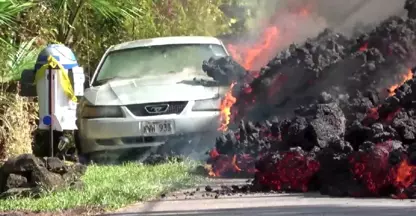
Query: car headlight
(101, 112)
(212, 104)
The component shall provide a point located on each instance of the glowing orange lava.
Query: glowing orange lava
(406, 174)
(225, 108)
(222, 164)
(405, 77)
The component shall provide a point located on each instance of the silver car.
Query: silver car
(146, 93)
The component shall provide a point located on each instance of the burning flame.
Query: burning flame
(225, 108)
(223, 164)
(279, 34)
(405, 77)
(251, 56)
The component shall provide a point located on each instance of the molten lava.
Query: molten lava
(223, 164)
(375, 171)
(404, 78)
(373, 168)
(406, 175)
(225, 108)
(372, 113)
(292, 172)
(374, 155)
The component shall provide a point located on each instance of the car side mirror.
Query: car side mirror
(27, 86)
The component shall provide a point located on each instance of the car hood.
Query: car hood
(172, 87)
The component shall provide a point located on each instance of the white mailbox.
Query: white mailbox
(78, 80)
(59, 80)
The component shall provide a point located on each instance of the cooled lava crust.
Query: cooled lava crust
(335, 114)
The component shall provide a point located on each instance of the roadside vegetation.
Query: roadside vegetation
(89, 27)
(112, 187)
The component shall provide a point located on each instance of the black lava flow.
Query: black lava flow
(320, 115)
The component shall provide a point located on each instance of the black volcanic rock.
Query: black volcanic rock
(334, 114)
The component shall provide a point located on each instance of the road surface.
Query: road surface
(201, 203)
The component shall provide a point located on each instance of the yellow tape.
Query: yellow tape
(63, 76)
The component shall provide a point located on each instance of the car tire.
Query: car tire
(82, 157)
(77, 142)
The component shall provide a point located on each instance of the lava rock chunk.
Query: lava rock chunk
(224, 70)
(328, 124)
(27, 175)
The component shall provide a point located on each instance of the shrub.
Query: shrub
(17, 123)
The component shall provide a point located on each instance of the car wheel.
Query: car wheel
(82, 158)
(77, 142)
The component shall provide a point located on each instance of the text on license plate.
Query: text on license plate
(158, 127)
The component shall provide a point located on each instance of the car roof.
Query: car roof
(166, 41)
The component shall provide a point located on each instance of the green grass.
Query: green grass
(112, 187)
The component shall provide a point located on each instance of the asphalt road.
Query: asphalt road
(201, 203)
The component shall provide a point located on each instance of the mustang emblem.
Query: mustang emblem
(156, 109)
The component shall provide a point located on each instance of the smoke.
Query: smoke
(296, 20)
(340, 15)
(344, 16)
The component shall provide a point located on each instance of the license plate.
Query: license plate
(158, 128)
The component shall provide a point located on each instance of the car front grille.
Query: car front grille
(165, 108)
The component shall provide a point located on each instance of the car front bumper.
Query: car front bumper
(106, 134)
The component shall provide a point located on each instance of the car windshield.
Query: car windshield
(156, 60)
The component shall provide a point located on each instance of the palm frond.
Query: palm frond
(113, 9)
(9, 9)
(20, 58)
